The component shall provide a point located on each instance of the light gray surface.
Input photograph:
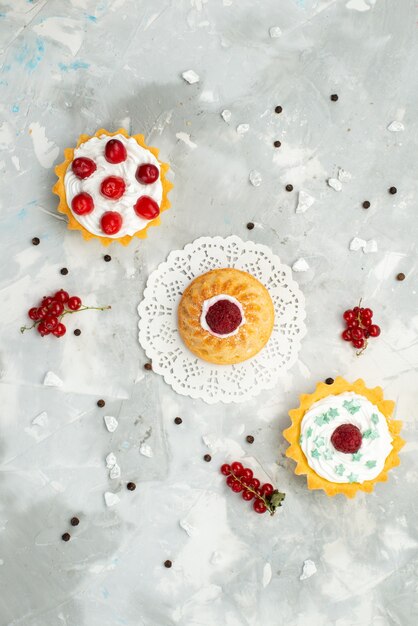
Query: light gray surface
(72, 67)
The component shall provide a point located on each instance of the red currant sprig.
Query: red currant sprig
(360, 327)
(47, 318)
(241, 480)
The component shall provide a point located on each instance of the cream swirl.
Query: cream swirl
(318, 425)
(94, 149)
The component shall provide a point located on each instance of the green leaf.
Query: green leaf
(277, 498)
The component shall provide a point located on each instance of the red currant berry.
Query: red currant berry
(367, 313)
(33, 314)
(225, 469)
(353, 324)
(147, 208)
(237, 468)
(247, 473)
(247, 495)
(259, 506)
(346, 335)
(356, 310)
(146, 174)
(357, 333)
(51, 322)
(74, 303)
(113, 187)
(82, 203)
(42, 329)
(42, 312)
(255, 483)
(111, 222)
(348, 315)
(115, 151)
(62, 296)
(366, 321)
(47, 301)
(237, 487)
(83, 167)
(245, 481)
(56, 308)
(358, 343)
(60, 330)
(230, 481)
(374, 330)
(267, 489)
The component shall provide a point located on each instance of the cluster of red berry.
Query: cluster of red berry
(47, 317)
(241, 480)
(360, 327)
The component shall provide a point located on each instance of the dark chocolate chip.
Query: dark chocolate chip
(36, 241)
(74, 521)
(392, 190)
(289, 187)
(168, 563)
(207, 458)
(249, 438)
(148, 366)
(400, 276)
(277, 144)
(77, 332)
(329, 381)
(178, 420)
(366, 204)
(278, 109)
(64, 271)
(66, 537)
(334, 97)
(131, 486)
(107, 258)
(101, 403)
(250, 225)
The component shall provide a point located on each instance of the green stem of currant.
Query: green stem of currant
(360, 352)
(68, 312)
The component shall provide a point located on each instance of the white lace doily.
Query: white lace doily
(189, 375)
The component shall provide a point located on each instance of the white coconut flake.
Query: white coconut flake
(190, 77)
(111, 498)
(275, 32)
(300, 265)
(185, 138)
(266, 574)
(343, 175)
(114, 472)
(146, 450)
(216, 558)
(41, 419)
(243, 128)
(111, 423)
(52, 380)
(226, 115)
(396, 127)
(255, 178)
(305, 201)
(356, 244)
(308, 570)
(110, 460)
(190, 530)
(371, 246)
(335, 184)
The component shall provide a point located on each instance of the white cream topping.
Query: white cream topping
(94, 149)
(206, 306)
(318, 425)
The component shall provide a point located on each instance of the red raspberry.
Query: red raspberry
(223, 317)
(83, 167)
(346, 438)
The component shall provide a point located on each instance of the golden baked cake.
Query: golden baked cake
(225, 316)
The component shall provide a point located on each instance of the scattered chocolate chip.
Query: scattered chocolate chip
(329, 381)
(277, 144)
(101, 403)
(77, 332)
(207, 458)
(392, 190)
(289, 187)
(64, 271)
(366, 204)
(148, 366)
(66, 537)
(36, 241)
(249, 439)
(74, 521)
(278, 109)
(131, 486)
(168, 563)
(334, 97)
(107, 258)
(178, 420)
(400, 276)
(250, 225)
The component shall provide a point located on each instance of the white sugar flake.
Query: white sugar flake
(52, 380)
(111, 498)
(110, 460)
(396, 127)
(111, 423)
(301, 265)
(41, 419)
(115, 472)
(226, 115)
(275, 32)
(335, 184)
(309, 569)
(305, 201)
(190, 77)
(146, 450)
(255, 178)
(243, 128)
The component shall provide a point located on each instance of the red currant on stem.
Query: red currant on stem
(51, 322)
(255, 483)
(240, 479)
(247, 495)
(42, 329)
(247, 473)
(357, 333)
(60, 330)
(358, 343)
(56, 308)
(346, 335)
(74, 303)
(226, 469)
(62, 296)
(237, 468)
(230, 480)
(348, 315)
(259, 506)
(236, 486)
(374, 330)
(33, 314)
(267, 489)
(46, 301)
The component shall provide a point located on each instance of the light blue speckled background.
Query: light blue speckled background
(73, 66)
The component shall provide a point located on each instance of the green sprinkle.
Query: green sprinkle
(309, 432)
(371, 464)
(300, 439)
(357, 456)
(340, 469)
(315, 454)
(375, 418)
(327, 454)
(370, 434)
(353, 478)
(333, 413)
(351, 407)
(319, 441)
(322, 419)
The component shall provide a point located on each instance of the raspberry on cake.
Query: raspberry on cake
(112, 173)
